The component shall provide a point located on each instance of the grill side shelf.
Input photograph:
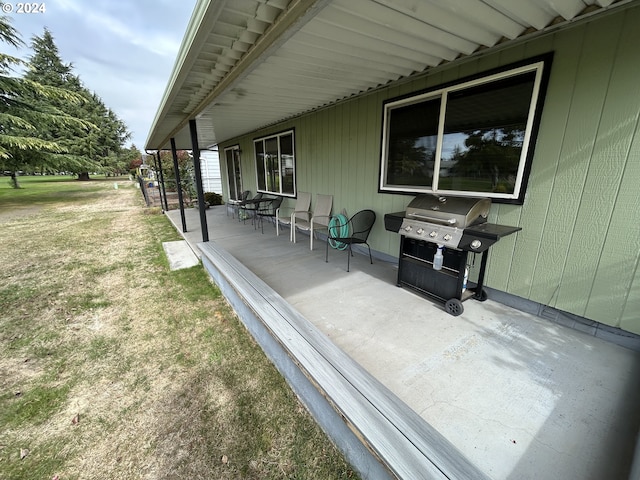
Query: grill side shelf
(487, 233)
(393, 221)
(492, 231)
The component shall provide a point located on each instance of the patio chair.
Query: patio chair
(319, 219)
(288, 215)
(267, 209)
(348, 232)
(235, 204)
(248, 207)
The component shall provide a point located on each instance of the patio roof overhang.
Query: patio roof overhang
(247, 64)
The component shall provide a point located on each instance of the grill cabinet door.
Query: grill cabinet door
(415, 269)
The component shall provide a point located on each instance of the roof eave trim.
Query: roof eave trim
(297, 14)
(191, 45)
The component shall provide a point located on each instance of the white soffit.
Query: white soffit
(252, 63)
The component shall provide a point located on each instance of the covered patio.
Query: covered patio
(494, 393)
(404, 389)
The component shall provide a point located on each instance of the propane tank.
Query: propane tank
(438, 258)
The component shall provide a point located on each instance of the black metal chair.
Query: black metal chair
(267, 209)
(353, 231)
(237, 204)
(248, 207)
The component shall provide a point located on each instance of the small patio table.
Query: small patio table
(255, 206)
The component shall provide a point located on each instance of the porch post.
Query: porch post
(198, 173)
(176, 169)
(157, 179)
(163, 191)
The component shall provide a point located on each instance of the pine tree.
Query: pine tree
(21, 118)
(97, 149)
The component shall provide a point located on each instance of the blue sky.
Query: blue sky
(123, 50)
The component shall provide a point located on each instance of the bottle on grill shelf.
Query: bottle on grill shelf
(437, 258)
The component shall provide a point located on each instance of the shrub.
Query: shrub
(213, 198)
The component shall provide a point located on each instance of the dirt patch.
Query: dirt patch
(17, 213)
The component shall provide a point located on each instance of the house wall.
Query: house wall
(579, 247)
(210, 168)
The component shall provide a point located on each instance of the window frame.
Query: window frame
(235, 151)
(280, 176)
(539, 65)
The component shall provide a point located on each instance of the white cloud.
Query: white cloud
(162, 43)
(123, 50)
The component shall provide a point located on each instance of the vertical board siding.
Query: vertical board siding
(624, 238)
(578, 250)
(573, 163)
(615, 287)
(591, 277)
(594, 207)
(532, 252)
(628, 203)
(502, 259)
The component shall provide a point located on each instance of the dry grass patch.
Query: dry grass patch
(112, 366)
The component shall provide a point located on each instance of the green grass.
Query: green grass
(35, 405)
(88, 300)
(102, 347)
(42, 190)
(39, 464)
(165, 378)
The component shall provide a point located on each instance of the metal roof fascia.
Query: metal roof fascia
(293, 18)
(193, 37)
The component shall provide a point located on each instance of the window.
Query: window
(234, 174)
(474, 138)
(276, 164)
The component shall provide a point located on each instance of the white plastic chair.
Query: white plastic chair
(319, 219)
(300, 211)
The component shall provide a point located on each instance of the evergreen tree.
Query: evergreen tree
(21, 118)
(128, 159)
(97, 149)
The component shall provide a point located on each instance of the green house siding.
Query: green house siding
(579, 247)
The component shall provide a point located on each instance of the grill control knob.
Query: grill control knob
(447, 237)
(433, 234)
(420, 231)
(408, 228)
(476, 244)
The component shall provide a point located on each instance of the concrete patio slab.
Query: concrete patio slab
(520, 396)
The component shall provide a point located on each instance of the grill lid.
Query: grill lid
(457, 212)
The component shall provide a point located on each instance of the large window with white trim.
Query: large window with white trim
(276, 164)
(472, 138)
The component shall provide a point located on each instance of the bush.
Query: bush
(213, 198)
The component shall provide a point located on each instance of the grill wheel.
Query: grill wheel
(454, 307)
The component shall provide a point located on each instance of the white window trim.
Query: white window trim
(280, 165)
(443, 93)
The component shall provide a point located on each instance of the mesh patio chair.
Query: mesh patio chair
(319, 219)
(248, 207)
(267, 209)
(235, 204)
(349, 232)
(299, 212)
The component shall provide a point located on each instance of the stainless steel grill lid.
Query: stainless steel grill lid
(459, 212)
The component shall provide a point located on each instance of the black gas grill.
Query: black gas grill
(456, 224)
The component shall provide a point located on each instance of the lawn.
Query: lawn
(114, 367)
